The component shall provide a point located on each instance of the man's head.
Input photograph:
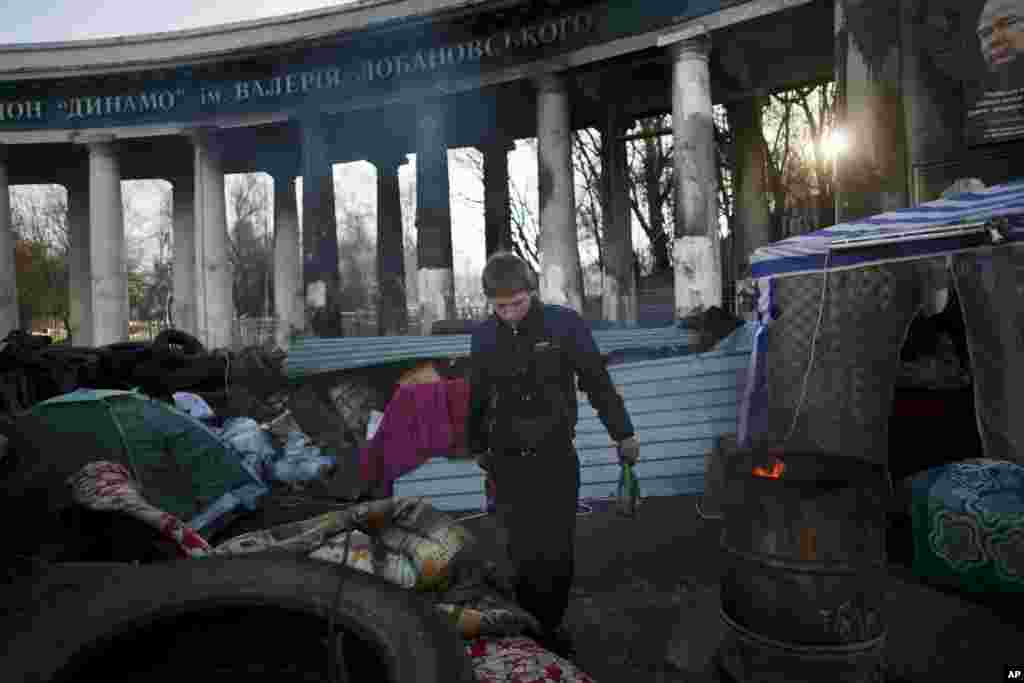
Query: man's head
(1001, 31)
(509, 283)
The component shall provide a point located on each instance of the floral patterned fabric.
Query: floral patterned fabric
(520, 660)
(968, 522)
(492, 624)
(109, 487)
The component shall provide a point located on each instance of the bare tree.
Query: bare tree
(594, 196)
(39, 219)
(249, 248)
(651, 178)
(797, 122)
(407, 192)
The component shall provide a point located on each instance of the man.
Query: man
(1001, 32)
(522, 419)
(997, 113)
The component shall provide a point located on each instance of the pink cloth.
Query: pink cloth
(458, 411)
(416, 426)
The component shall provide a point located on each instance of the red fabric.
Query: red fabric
(518, 659)
(415, 427)
(458, 411)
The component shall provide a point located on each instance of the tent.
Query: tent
(834, 307)
(182, 467)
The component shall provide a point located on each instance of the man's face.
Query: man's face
(512, 308)
(1001, 38)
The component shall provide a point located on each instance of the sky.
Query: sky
(36, 21)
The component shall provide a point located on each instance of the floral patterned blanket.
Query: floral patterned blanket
(402, 540)
(520, 660)
(968, 520)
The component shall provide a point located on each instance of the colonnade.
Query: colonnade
(306, 276)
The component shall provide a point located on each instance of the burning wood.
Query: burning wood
(773, 472)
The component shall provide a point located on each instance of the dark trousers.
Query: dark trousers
(536, 504)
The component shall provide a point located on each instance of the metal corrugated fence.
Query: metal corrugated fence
(310, 355)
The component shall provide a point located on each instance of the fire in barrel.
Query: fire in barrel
(802, 590)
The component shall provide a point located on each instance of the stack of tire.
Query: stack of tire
(173, 361)
(33, 370)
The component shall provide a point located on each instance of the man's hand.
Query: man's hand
(629, 450)
(483, 460)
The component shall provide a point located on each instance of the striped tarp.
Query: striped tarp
(814, 251)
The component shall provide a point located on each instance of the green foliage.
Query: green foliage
(42, 276)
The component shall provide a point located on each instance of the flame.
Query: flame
(775, 472)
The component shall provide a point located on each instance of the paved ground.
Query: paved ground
(645, 603)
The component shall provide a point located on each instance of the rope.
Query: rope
(814, 343)
(704, 515)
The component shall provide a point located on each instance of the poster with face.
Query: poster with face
(996, 98)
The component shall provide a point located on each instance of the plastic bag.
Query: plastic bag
(628, 496)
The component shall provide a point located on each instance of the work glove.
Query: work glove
(629, 450)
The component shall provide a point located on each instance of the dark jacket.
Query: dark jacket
(533, 369)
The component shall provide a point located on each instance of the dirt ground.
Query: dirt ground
(645, 591)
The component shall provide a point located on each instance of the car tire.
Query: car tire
(70, 621)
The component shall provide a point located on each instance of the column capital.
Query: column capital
(550, 82)
(388, 162)
(283, 177)
(94, 140)
(496, 143)
(207, 136)
(430, 116)
(183, 183)
(695, 47)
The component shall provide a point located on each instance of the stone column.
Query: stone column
(391, 306)
(619, 300)
(872, 175)
(698, 258)
(79, 260)
(185, 291)
(560, 276)
(753, 220)
(215, 306)
(931, 89)
(433, 218)
(321, 271)
(497, 207)
(8, 274)
(106, 244)
(289, 303)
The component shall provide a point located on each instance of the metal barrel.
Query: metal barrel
(804, 577)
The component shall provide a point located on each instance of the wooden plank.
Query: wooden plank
(667, 401)
(701, 430)
(653, 475)
(682, 366)
(668, 450)
(661, 486)
(678, 405)
(438, 469)
(694, 384)
(664, 418)
(445, 486)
